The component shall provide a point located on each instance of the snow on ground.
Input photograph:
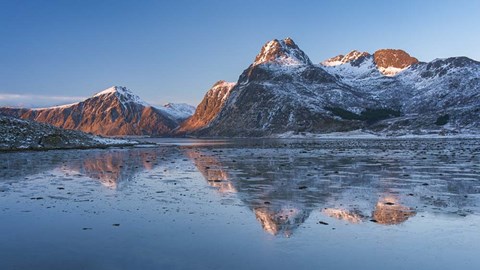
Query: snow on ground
(307, 135)
(391, 71)
(112, 141)
(359, 134)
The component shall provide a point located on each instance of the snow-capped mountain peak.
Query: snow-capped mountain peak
(178, 111)
(362, 65)
(123, 93)
(390, 62)
(343, 59)
(282, 52)
(353, 66)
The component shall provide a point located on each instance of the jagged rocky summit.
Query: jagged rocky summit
(387, 92)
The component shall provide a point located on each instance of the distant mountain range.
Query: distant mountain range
(388, 92)
(112, 112)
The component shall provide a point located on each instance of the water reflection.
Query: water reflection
(377, 183)
(283, 220)
(387, 183)
(276, 214)
(110, 167)
(389, 212)
(344, 214)
(212, 170)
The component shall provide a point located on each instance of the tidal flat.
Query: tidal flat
(244, 204)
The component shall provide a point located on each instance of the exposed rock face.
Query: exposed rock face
(389, 92)
(18, 134)
(390, 62)
(112, 112)
(208, 109)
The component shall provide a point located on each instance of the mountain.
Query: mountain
(19, 134)
(282, 90)
(208, 109)
(435, 97)
(390, 62)
(387, 62)
(114, 111)
(179, 111)
(387, 92)
(343, 59)
(281, 52)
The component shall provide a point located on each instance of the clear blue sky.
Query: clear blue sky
(52, 52)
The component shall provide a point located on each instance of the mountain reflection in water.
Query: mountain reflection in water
(283, 184)
(110, 168)
(281, 204)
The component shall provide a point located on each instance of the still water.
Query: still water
(244, 204)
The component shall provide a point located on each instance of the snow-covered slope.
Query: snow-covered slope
(178, 111)
(352, 69)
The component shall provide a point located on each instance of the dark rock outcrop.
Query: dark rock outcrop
(18, 134)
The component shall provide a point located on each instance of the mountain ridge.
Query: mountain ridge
(273, 97)
(387, 92)
(115, 111)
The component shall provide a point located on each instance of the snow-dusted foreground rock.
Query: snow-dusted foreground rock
(17, 134)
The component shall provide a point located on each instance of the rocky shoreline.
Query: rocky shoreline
(22, 135)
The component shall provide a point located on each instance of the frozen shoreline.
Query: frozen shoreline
(356, 134)
(21, 135)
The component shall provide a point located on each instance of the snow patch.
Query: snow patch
(391, 71)
(112, 141)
